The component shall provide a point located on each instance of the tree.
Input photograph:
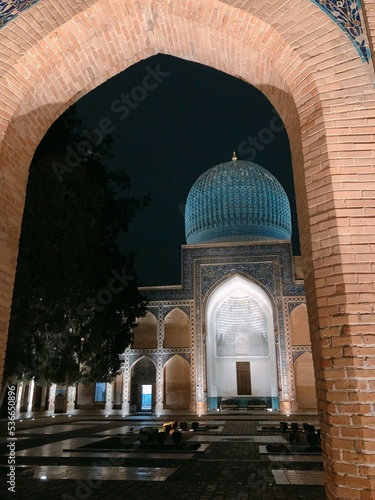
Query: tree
(75, 298)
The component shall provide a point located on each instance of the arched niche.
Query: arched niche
(177, 384)
(176, 329)
(299, 326)
(240, 347)
(145, 333)
(305, 382)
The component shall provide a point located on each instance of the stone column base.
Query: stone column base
(108, 407)
(70, 406)
(285, 407)
(159, 410)
(201, 408)
(125, 408)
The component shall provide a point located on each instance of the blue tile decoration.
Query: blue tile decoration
(293, 305)
(347, 15)
(237, 201)
(10, 9)
(298, 351)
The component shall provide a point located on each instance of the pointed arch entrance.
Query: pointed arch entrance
(240, 349)
(143, 384)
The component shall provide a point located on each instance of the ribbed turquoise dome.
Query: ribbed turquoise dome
(237, 201)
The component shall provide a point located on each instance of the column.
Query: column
(19, 398)
(159, 406)
(71, 398)
(108, 397)
(30, 397)
(51, 399)
(125, 368)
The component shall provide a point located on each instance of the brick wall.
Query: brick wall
(300, 59)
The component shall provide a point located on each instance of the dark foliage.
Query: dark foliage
(75, 298)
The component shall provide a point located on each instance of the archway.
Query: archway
(143, 384)
(309, 69)
(241, 356)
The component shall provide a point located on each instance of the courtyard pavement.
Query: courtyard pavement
(56, 457)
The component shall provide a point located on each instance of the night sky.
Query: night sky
(171, 120)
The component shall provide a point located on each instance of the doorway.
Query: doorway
(146, 404)
(243, 378)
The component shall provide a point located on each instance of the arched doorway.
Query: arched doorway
(241, 356)
(143, 383)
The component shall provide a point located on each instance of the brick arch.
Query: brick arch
(309, 70)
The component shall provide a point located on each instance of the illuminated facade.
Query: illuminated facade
(237, 326)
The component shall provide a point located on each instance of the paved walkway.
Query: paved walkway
(231, 463)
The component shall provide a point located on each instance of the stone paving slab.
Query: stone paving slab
(229, 468)
(98, 473)
(295, 458)
(250, 439)
(298, 477)
(53, 429)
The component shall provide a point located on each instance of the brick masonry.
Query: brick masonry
(53, 53)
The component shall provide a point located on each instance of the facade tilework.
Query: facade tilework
(299, 350)
(169, 353)
(168, 309)
(268, 265)
(10, 10)
(293, 303)
(347, 15)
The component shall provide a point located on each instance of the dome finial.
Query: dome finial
(234, 157)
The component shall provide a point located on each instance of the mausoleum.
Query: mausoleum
(237, 325)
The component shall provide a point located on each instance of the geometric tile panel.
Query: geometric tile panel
(347, 15)
(10, 10)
